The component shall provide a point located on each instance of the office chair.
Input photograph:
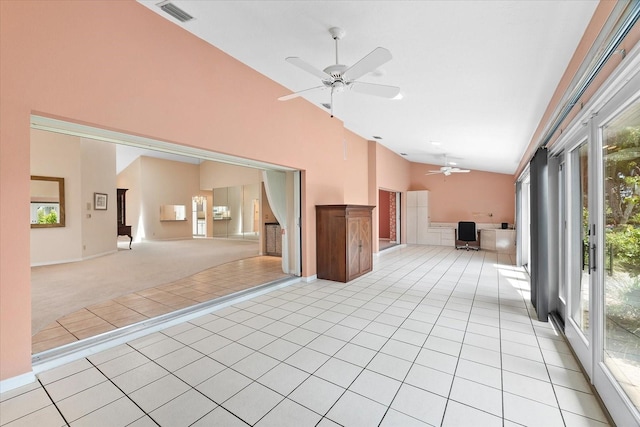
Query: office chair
(467, 236)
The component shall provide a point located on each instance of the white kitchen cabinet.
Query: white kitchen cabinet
(417, 217)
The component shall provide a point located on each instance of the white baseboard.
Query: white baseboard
(101, 254)
(17, 381)
(391, 249)
(62, 261)
(309, 279)
(65, 261)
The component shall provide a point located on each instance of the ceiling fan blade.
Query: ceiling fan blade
(376, 89)
(367, 64)
(456, 170)
(307, 67)
(299, 93)
(434, 173)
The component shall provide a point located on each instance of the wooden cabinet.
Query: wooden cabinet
(273, 239)
(123, 228)
(344, 248)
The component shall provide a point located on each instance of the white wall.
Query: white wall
(166, 182)
(58, 155)
(99, 227)
(87, 166)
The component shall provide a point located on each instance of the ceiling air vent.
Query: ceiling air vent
(326, 105)
(377, 137)
(175, 11)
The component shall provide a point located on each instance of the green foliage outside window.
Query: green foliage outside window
(50, 218)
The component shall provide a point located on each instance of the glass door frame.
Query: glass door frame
(562, 224)
(610, 391)
(619, 92)
(580, 342)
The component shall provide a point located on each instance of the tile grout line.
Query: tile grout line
(402, 382)
(463, 337)
(53, 402)
(347, 342)
(122, 391)
(546, 367)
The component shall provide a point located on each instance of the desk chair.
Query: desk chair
(467, 236)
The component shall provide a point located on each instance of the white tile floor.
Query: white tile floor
(433, 337)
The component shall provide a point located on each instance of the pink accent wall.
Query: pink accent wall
(466, 196)
(122, 67)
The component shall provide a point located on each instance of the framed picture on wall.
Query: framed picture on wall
(100, 201)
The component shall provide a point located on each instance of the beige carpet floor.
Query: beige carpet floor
(60, 289)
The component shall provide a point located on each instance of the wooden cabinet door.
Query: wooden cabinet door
(365, 244)
(359, 246)
(354, 247)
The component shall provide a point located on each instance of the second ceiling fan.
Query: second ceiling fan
(447, 169)
(338, 77)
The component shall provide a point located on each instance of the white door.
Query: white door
(577, 327)
(617, 352)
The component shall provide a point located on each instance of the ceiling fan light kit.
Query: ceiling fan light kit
(447, 170)
(339, 77)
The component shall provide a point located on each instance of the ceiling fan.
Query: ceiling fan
(340, 77)
(447, 170)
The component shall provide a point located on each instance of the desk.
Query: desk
(498, 240)
(441, 236)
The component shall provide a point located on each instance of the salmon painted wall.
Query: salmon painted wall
(478, 196)
(124, 68)
(389, 172)
(355, 170)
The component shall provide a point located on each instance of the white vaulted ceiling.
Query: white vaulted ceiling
(475, 76)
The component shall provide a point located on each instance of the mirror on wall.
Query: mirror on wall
(47, 202)
(236, 212)
(173, 213)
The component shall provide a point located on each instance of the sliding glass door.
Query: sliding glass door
(621, 251)
(599, 222)
(578, 307)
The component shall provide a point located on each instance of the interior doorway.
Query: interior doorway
(189, 270)
(388, 219)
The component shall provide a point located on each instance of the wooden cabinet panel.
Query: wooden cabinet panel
(344, 241)
(366, 245)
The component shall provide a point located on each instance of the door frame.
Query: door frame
(615, 398)
(616, 94)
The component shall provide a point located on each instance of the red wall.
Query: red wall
(384, 216)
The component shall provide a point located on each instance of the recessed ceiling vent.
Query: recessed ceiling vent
(326, 105)
(377, 137)
(175, 11)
